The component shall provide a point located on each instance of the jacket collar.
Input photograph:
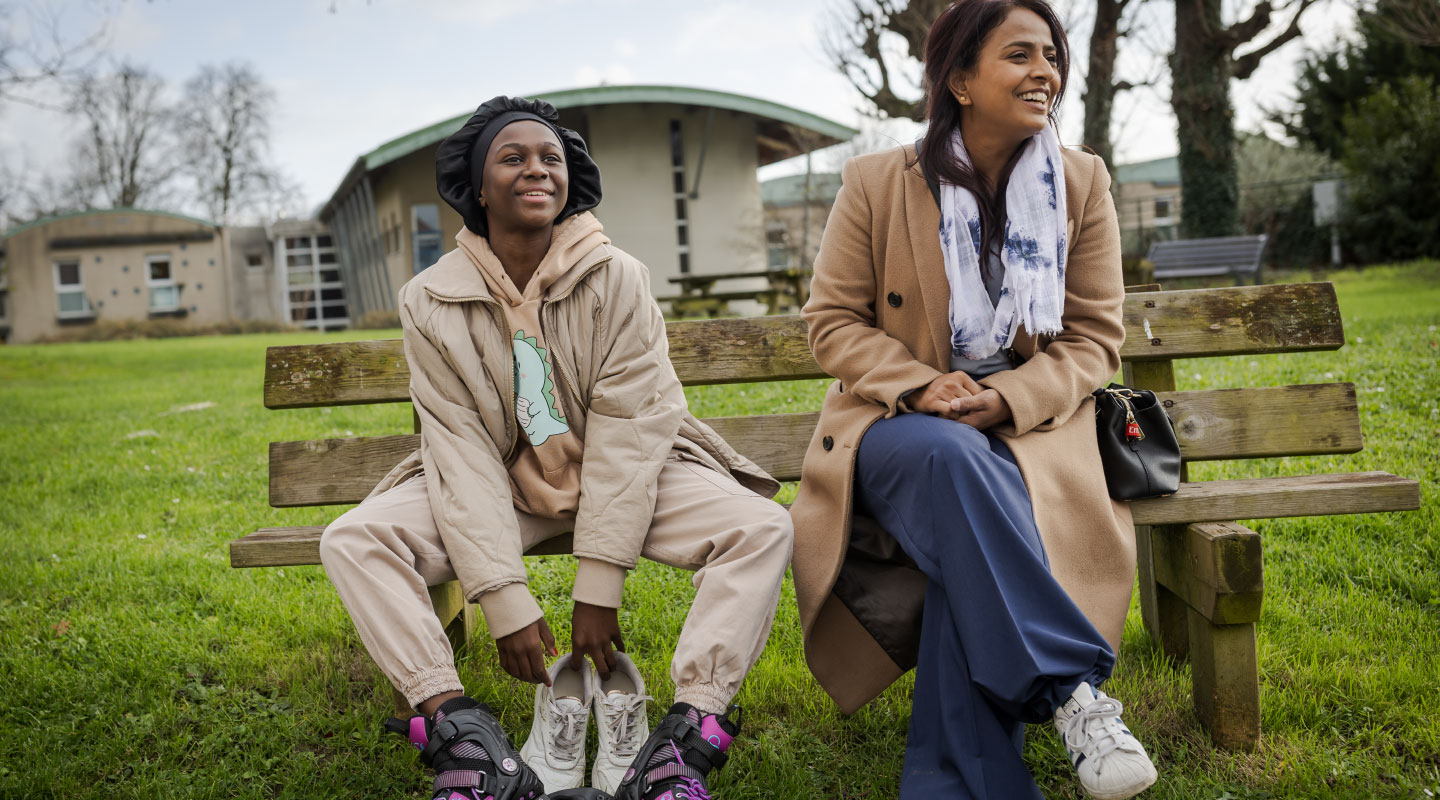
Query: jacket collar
(456, 277)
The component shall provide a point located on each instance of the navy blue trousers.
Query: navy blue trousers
(1001, 644)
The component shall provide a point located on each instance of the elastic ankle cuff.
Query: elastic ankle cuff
(424, 685)
(707, 698)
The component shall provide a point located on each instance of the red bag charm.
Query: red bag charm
(1132, 430)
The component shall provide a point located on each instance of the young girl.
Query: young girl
(547, 404)
(967, 296)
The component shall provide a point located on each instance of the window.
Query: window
(254, 260)
(71, 302)
(1164, 210)
(682, 222)
(314, 287)
(425, 235)
(164, 294)
(777, 250)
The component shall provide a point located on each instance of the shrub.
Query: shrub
(119, 330)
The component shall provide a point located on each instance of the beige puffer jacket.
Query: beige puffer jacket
(607, 340)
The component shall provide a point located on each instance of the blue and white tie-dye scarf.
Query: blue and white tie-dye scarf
(1033, 252)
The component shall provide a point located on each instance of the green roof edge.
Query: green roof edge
(117, 210)
(607, 95)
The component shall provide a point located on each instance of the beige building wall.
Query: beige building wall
(789, 223)
(399, 187)
(113, 249)
(725, 229)
(631, 144)
(1136, 205)
(254, 281)
(632, 147)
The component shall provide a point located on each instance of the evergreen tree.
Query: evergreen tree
(1332, 84)
(1392, 155)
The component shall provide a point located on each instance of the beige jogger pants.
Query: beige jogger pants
(384, 552)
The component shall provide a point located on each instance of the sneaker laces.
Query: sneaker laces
(622, 712)
(1098, 725)
(567, 729)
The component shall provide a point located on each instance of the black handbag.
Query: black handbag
(1137, 443)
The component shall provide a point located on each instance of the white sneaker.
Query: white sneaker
(620, 712)
(1108, 759)
(556, 747)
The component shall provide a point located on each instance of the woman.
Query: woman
(547, 404)
(967, 295)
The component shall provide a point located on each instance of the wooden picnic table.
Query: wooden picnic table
(787, 287)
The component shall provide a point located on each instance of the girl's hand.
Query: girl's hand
(522, 653)
(939, 394)
(593, 630)
(982, 410)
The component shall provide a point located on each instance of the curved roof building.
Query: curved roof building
(678, 167)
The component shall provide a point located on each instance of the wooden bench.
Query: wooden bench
(1201, 579)
(788, 289)
(717, 304)
(1198, 258)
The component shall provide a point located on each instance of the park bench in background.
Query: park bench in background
(1201, 579)
(787, 289)
(1200, 258)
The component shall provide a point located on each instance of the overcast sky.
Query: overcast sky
(368, 72)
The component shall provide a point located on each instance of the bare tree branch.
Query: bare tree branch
(34, 55)
(124, 157)
(1243, 66)
(224, 130)
(1244, 30)
(855, 41)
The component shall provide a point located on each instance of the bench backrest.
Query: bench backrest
(1225, 253)
(1160, 326)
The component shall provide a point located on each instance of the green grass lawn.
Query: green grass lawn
(134, 662)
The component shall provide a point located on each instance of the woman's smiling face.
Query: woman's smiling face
(1011, 89)
(526, 181)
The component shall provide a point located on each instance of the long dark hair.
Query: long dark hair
(953, 45)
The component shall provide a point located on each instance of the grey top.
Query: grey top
(999, 360)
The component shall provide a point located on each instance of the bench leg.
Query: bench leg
(1162, 610)
(456, 616)
(402, 706)
(1227, 683)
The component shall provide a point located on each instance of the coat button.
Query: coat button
(894, 300)
(827, 442)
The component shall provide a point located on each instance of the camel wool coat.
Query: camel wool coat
(879, 322)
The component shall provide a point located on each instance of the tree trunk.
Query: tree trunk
(1100, 89)
(1200, 95)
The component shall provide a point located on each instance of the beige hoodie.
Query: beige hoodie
(545, 466)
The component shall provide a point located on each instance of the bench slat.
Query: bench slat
(324, 472)
(1270, 498)
(1309, 495)
(1159, 325)
(1212, 424)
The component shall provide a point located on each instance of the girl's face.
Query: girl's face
(1015, 79)
(525, 180)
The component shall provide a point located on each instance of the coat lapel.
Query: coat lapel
(922, 220)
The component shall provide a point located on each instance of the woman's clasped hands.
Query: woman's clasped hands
(956, 395)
